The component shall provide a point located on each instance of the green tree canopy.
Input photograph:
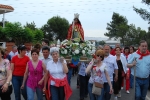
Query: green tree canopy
(19, 34)
(117, 28)
(145, 14)
(56, 27)
(31, 25)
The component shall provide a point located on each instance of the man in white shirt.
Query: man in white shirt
(112, 68)
(14, 51)
(46, 55)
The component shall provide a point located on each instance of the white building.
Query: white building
(112, 42)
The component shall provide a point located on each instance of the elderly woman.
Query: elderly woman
(18, 66)
(34, 72)
(98, 69)
(5, 78)
(57, 83)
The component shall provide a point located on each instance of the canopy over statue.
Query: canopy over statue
(75, 29)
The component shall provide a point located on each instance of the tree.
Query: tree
(102, 42)
(18, 34)
(143, 12)
(134, 35)
(2, 34)
(117, 28)
(56, 27)
(47, 32)
(31, 25)
(38, 35)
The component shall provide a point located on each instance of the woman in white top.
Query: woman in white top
(98, 70)
(122, 68)
(58, 84)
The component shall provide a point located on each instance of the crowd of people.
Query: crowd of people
(41, 70)
(44, 72)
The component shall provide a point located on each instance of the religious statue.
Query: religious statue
(75, 29)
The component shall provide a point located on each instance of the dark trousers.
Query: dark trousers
(17, 82)
(6, 95)
(117, 84)
(57, 93)
(83, 80)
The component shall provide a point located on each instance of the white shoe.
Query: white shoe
(115, 98)
(128, 91)
(121, 88)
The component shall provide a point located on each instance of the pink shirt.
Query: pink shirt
(35, 75)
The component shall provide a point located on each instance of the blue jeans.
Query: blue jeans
(105, 92)
(131, 80)
(141, 87)
(93, 96)
(57, 93)
(17, 82)
(30, 93)
(69, 75)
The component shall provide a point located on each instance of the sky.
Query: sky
(94, 14)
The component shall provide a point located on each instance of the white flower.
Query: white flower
(89, 51)
(65, 51)
(85, 48)
(83, 51)
(93, 48)
(81, 46)
(93, 51)
(76, 43)
(62, 52)
(73, 53)
(67, 46)
(76, 51)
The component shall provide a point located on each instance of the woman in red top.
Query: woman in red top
(18, 66)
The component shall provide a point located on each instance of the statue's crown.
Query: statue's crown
(76, 15)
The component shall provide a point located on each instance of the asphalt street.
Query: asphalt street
(75, 95)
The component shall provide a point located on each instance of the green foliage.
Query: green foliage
(101, 42)
(128, 35)
(117, 28)
(19, 34)
(56, 27)
(2, 34)
(143, 13)
(38, 35)
(15, 31)
(31, 25)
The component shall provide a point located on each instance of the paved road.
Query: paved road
(75, 95)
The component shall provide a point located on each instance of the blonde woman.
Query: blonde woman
(98, 69)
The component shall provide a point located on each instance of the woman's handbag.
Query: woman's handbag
(99, 85)
(96, 90)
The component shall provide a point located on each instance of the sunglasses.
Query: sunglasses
(99, 56)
